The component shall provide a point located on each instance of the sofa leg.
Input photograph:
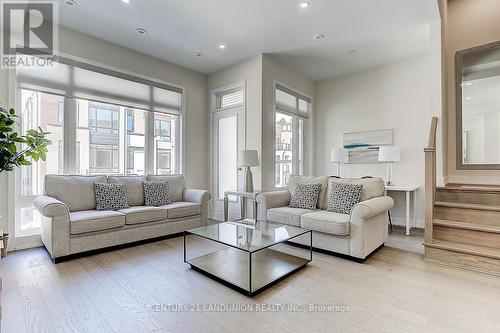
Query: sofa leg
(390, 219)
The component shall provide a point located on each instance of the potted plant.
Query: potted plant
(17, 150)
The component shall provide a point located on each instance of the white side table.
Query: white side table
(243, 195)
(410, 193)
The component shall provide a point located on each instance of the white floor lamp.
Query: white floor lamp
(389, 155)
(338, 156)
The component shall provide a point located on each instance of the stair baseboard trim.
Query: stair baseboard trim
(461, 250)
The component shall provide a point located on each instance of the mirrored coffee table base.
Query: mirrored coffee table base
(246, 269)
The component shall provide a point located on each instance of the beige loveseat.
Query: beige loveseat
(357, 234)
(71, 224)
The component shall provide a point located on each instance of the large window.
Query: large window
(101, 122)
(291, 115)
(38, 109)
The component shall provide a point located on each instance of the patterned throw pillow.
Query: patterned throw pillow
(156, 193)
(305, 196)
(343, 197)
(110, 196)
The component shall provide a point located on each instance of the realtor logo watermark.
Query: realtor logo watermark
(29, 33)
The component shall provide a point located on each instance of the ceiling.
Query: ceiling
(381, 31)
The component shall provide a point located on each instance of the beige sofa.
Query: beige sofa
(71, 224)
(357, 234)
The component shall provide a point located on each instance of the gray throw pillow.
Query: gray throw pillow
(110, 196)
(305, 196)
(343, 197)
(156, 193)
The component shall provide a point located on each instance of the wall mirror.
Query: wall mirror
(478, 107)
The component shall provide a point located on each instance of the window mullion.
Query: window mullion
(295, 144)
(149, 149)
(70, 129)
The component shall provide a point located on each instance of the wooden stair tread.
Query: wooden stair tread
(468, 226)
(467, 206)
(477, 250)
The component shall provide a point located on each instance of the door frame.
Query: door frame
(215, 211)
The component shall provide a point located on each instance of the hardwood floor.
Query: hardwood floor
(125, 290)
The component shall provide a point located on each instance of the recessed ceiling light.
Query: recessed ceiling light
(71, 3)
(304, 4)
(199, 54)
(126, 1)
(320, 36)
(468, 98)
(464, 84)
(141, 31)
(222, 46)
(352, 51)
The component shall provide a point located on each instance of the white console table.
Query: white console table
(243, 196)
(411, 203)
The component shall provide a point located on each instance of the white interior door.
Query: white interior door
(228, 136)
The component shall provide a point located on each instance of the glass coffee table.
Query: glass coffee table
(247, 256)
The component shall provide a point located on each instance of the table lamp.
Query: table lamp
(338, 156)
(248, 159)
(389, 155)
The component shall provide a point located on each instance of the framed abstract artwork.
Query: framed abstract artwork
(362, 147)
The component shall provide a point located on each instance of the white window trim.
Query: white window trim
(307, 117)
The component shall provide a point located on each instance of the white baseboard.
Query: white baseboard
(440, 181)
(402, 222)
(476, 180)
(26, 242)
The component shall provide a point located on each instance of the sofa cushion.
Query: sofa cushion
(77, 192)
(327, 222)
(135, 190)
(343, 197)
(93, 220)
(305, 196)
(156, 194)
(176, 185)
(110, 196)
(143, 214)
(286, 215)
(180, 209)
(294, 180)
(372, 187)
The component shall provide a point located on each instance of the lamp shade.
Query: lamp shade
(248, 158)
(338, 155)
(389, 154)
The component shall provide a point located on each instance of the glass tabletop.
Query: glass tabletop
(248, 237)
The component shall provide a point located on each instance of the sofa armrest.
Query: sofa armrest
(269, 200)
(201, 197)
(369, 208)
(51, 207)
(196, 196)
(368, 228)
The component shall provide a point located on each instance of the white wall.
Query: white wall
(196, 119)
(394, 96)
